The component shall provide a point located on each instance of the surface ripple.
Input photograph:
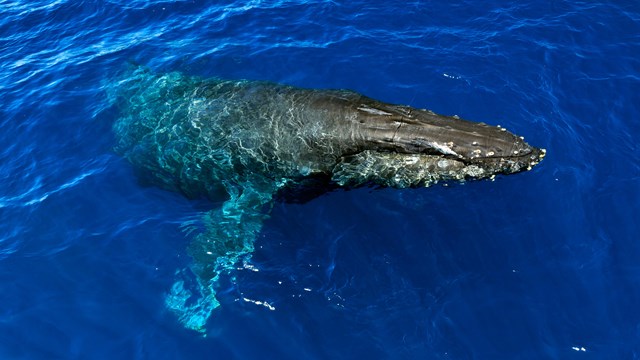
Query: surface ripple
(543, 265)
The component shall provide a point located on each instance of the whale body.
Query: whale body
(249, 141)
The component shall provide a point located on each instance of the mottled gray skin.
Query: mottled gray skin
(250, 140)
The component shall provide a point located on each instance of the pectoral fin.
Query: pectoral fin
(228, 240)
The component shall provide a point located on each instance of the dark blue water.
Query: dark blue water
(539, 265)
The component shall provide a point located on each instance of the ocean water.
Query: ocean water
(540, 265)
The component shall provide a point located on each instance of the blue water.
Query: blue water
(539, 265)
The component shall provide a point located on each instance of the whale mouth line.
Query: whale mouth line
(494, 164)
(532, 156)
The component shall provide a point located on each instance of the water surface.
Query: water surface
(543, 264)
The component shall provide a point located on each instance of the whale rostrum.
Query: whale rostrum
(246, 141)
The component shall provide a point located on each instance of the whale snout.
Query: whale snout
(524, 160)
(490, 147)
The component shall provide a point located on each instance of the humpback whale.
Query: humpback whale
(246, 142)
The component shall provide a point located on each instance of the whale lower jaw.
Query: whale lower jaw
(400, 170)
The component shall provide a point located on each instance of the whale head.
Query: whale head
(402, 146)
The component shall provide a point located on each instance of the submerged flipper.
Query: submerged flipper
(228, 240)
